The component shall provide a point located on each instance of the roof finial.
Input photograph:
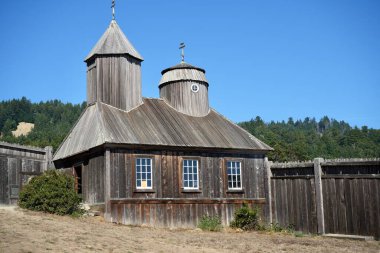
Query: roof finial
(113, 9)
(182, 47)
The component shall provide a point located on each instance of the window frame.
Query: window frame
(139, 188)
(182, 164)
(234, 189)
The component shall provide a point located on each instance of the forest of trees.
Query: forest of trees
(292, 140)
(52, 121)
(307, 139)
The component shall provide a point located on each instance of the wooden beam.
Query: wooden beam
(319, 195)
(107, 185)
(188, 201)
(269, 188)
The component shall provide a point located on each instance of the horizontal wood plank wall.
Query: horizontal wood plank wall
(93, 180)
(351, 196)
(167, 182)
(179, 95)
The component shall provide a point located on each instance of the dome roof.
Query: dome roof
(183, 72)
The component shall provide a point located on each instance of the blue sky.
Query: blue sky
(275, 59)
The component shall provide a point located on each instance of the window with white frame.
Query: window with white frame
(234, 175)
(143, 173)
(190, 174)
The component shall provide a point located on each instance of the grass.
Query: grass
(210, 223)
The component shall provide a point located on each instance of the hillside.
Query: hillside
(52, 121)
(292, 140)
(308, 139)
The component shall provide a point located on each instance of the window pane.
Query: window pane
(149, 183)
(138, 160)
(234, 174)
(190, 173)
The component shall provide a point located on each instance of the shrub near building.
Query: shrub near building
(51, 192)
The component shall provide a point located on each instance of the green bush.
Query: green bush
(51, 192)
(246, 218)
(210, 223)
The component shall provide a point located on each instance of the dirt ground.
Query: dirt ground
(26, 231)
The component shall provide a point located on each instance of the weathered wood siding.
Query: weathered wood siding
(93, 180)
(293, 199)
(167, 184)
(179, 95)
(352, 201)
(350, 191)
(17, 164)
(114, 80)
(175, 213)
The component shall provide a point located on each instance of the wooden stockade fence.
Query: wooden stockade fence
(17, 164)
(327, 196)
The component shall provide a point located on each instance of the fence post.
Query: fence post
(269, 193)
(48, 157)
(319, 195)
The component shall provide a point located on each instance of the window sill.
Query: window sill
(191, 191)
(235, 191)
(144, 191)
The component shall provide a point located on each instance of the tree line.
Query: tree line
(292, 140)
(52, 121)
(307, 139)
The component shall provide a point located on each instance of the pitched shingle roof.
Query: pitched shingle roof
(114, 41)
(154, 123)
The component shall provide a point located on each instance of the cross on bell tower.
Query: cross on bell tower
(182, 47)
(113, 9)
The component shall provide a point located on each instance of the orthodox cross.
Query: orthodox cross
(182, 47)
(113, 9)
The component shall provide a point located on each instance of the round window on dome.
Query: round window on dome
(194, 87)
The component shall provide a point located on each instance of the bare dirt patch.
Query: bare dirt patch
(26, 231)
(23, 128)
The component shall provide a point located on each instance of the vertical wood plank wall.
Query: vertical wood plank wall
(188, 102)
(114, 80)
(167, 175)
(93, 180)
(351, 196)
(167, 188)
(17, 164)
